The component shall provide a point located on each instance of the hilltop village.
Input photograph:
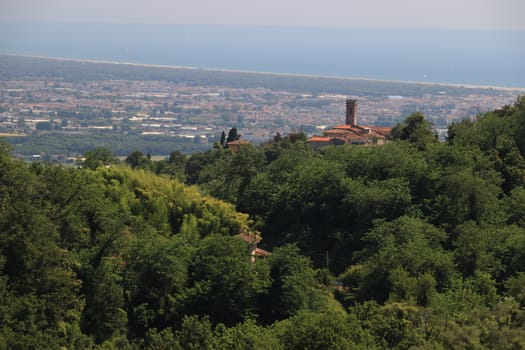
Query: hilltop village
(351, 132)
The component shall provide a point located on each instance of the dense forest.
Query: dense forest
(50, 144)
(417, 244)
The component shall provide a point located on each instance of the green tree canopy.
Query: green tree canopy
(99, 157)
(416, 130)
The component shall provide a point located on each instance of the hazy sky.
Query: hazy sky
(449, 14)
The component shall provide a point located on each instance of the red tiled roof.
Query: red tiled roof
(344, 127)
(355, 129)
(383, 130)
(319, 139)
(262, 252)
(336, 131)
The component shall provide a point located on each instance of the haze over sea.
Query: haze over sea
(427, 55)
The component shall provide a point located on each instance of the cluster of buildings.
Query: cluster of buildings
(351, 132)
(196, 115)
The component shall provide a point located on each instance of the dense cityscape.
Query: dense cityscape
(198, 114)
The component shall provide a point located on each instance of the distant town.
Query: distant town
(197, 115)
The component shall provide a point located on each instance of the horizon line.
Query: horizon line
(261, 25)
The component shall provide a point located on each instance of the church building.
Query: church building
(351, 132)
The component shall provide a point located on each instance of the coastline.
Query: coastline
(226, 70)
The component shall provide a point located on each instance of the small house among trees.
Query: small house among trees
(236, 145)
(252, 239)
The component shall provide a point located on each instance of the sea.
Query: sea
(477, 57)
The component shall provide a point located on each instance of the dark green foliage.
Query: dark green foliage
(197, 334)
(516, 287)
(416, 130)
(222, 142)
(463, 196)
(428, 242)
(104, 314)
(139, 160)
(154, 273)
(494, 250)
(172, 167)
(164, 339)
(402, 260)
(85, 255)
(40, 291)
(232, 135)
(317, 331)
(99, 157)
(199, 161)
(121, 144)
(230, 173)
(223, 283)
(500, 134)
(247, 335)
(294, 286)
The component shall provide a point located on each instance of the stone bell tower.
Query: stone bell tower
(351, 112)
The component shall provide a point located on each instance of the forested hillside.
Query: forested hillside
(416, 244)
